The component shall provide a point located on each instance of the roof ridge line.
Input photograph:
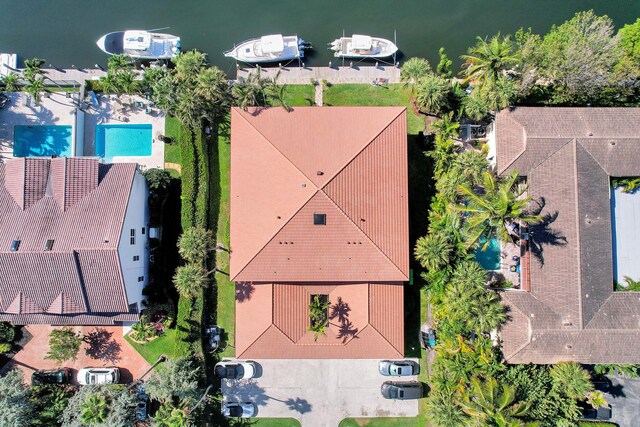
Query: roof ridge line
(568, 141)
(384, 338)
(276, 148)
(271, 325)
(357, 154)
(591, 155)
(577, 216)
(524, 148)
(365, 234)
(274, 236)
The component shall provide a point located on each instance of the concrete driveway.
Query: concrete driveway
(318, 392)
(624, 397)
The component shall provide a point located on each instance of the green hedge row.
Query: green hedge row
(189, 184)
(202, 198)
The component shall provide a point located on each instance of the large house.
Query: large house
(319, 207)
(591, 237)
(73, 241)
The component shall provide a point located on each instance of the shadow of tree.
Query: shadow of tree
(245, 391)
(244, 290)
(347, 331)
(102, 346)
(542, 234)
(299, 405)
(340, 311)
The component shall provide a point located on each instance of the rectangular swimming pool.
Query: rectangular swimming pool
(41, 141)
(489, 259)
(123, 140)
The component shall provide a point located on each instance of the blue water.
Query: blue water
(489, 259)
(41, 141)
(123, 140)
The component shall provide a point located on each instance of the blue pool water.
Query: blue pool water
(489, 259)
(36, 141)
(123, 140)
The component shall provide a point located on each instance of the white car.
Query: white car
(235, 370)
(90, 376)
(239, 410)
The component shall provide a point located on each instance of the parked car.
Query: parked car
(401, 390)
(239, 410)
(57, 376)
(427, 336)
(88, 376)
(235, 370)
(142, 411)
(603, 413)
(601, 383)
(398, 368)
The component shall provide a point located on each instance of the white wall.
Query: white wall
(78, 135)
(136, 218)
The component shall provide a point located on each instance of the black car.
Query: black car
(58, 376)
(401, 390)
(603, 413)
(601, 383)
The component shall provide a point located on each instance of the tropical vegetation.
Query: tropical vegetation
(318, 315)
(64, 344)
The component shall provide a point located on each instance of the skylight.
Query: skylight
(319, 219)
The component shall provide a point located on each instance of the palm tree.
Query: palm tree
(571, 379)
(170, 416)
(252, 91)
(491, 210)
(94, 409)
(213, 86)
(413, 70)
(32, 67)
(195, 244)
(487, 405)
(499, 94)
(126, 81)
(442, 410)
(318, 316)
(446, 127)
(433, 251)
(190, 279)
(476, 105)
(596, 399)
(487, 59)
(432, 94)
(10, 82)
(109, 83)
(189, 65)
(278, 92)
(35, 87)
(120, 62)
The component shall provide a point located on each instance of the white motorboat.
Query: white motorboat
(140, 44)
(271, 48)
(361, 46)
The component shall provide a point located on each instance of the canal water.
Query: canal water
(64, 31)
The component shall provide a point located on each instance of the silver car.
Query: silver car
(239, 410)
(398, 368)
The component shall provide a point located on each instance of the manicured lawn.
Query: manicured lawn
(226, 310)
(275, 422)
(172, 130)
(300, 95)
(595, 424)
(364, 94)
(152, 350)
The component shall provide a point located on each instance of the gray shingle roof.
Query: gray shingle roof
(80, 205)
(568, 155)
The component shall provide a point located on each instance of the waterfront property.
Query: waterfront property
(571, 311)
(115, 130)
(73, 241)
(319, 208)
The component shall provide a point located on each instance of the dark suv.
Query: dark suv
(58, 376)
(401, 390)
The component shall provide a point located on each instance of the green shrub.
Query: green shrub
(5, 347)
(7, 332)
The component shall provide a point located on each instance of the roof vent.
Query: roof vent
(612, 142)
(303, 185)
(590, 134)
(15, 245)
(48, 245)
(319, 173)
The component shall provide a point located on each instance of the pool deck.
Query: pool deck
(113, 111)
(54, 110)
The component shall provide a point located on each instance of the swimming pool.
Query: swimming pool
(123, 140)
(41, 141)
(489, 259)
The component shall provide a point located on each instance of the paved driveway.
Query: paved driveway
(624, 397)
(318, 392)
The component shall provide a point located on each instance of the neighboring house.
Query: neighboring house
(319, 206)
(571, 311)
(73, 241)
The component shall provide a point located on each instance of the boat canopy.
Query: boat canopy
(137, 40)
(358, 41)
(272, 44)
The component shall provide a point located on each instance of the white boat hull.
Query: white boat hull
(256, 51)
(162, 46)
(378, 48)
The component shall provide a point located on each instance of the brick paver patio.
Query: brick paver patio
(109, 349)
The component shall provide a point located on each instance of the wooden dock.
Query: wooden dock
(72, 76)
(304, 75)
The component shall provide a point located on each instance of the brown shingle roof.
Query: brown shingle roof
(80, 205)
(568, 156)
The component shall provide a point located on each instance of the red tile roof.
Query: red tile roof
(80, 205)
(349, 164)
